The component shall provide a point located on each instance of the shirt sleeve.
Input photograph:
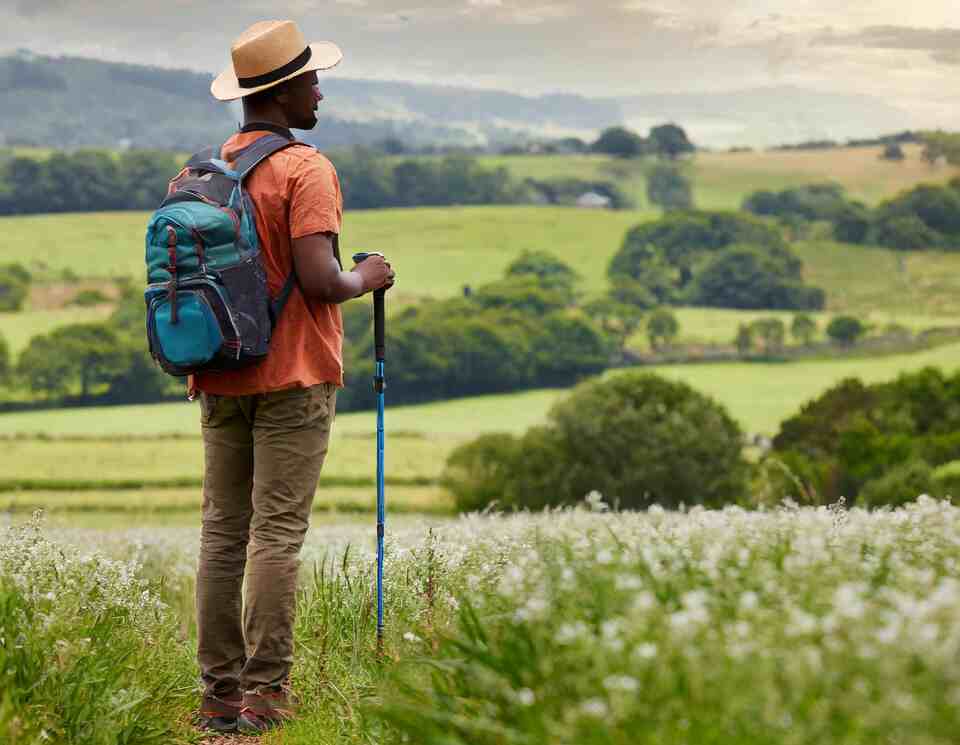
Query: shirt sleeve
(315, 199)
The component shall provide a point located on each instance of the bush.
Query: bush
(636, 438)
(662, 328)
(749, 278)
(854, 433)
(669, 189)
(14, 287)
(845, 330)
(905, 233)
(86, 298)
(5, 365)
(899, 485)
(479, 472)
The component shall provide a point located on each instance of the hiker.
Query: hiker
(266, 427)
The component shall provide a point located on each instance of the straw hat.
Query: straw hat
(268, 53)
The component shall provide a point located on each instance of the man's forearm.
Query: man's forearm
(342, 287)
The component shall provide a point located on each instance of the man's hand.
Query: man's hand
(376, 273)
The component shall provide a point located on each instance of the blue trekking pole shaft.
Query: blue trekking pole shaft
(379, 384)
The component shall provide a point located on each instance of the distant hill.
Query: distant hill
(75, 101)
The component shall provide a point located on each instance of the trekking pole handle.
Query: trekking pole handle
(379, 297)
(378, 324)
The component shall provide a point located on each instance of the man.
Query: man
(266, 428)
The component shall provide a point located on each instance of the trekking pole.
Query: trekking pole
(379, 385)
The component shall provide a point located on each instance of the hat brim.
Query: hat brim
(323, 56)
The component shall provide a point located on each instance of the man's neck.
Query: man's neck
(254, 125)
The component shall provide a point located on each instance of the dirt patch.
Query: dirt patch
(57, 295)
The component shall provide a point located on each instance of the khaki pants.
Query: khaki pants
(263, 455)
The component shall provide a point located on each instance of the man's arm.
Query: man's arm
(319, 273)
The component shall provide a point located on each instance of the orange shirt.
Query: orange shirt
(296, 193)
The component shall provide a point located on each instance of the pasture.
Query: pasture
(96, 458)
(758, 395)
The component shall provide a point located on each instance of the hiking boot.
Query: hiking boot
(265, 708)
(220, 713)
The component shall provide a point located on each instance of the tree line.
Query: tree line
(924, 217)
(99, 180)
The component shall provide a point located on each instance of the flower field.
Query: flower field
(576, 626)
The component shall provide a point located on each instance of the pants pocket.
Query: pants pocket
(208, 407)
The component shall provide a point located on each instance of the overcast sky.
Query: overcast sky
(906, 52)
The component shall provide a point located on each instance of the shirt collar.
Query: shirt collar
(269, 126)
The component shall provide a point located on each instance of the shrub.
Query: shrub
(479, 472)
(662, 328)
(905, 233)
(899, 485)
(86, 298)
(668, 188)
(637, 438)
(747, 277)
(845, 330)
(855, 433)
(803, 328)
(5, 367)
(14, 287)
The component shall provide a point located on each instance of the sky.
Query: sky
(905, 53)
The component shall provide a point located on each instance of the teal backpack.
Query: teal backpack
(208, 308)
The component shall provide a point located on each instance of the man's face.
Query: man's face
(304, 98)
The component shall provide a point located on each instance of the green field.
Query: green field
(759, 395)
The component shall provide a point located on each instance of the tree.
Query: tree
(14, 287)
(893, 151)
(551, 272)
(662, 328)
(856, 434)
(621, 142)
(523, 293)
(618, 320)
(852, 223)
(744, 339)
(803, 328)
(670, 141)
(845, 330)
(670, 248)
(80, 354)
(668, 188)
(637, 438)
(4, 361)
(771, 331)
(746, 277)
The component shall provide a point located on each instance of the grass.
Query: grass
(146, 503)
(19, 328)
(440, 249)
(352, 458)
(582, 626)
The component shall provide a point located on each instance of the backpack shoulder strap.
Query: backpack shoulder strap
(256, 152)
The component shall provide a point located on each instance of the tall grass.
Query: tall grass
(581, 626)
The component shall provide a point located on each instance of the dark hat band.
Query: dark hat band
(281, 72)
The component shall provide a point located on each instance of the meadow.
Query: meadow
(126, 458)
(575, 627)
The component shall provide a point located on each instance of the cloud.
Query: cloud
(942, 44)
(32, 8)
